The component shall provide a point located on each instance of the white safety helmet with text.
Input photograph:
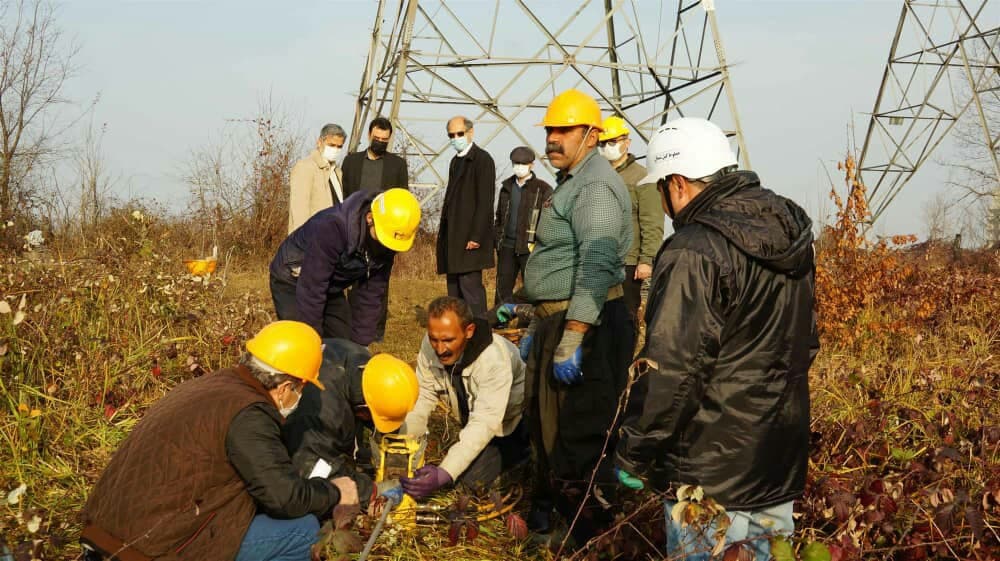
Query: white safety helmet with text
(689, 146)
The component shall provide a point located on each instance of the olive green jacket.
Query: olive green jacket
(647, 214)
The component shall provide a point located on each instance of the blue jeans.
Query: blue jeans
(755, 527)
(270, 539)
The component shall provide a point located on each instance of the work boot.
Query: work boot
(540, 518)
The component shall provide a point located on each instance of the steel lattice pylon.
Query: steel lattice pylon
(942, 62)
(500, 63)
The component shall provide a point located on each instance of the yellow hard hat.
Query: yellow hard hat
(396, 214)
(291, 347)
(572, 108)
(390, 388)
(614, 126)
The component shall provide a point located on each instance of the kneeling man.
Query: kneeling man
(480, 376)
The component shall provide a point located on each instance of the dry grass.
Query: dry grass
(905, 457)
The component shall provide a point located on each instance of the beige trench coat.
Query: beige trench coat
(310, 189)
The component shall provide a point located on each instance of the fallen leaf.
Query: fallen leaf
(14, 496)
(19, 317)
(34, 524)
(4, 307)
(517, 526)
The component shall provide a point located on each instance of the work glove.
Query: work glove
(629, 480)
(506, 312)
(568, 357)
(524, 345)
(391, 490)
(425, 481)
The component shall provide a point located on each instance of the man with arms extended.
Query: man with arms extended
(480, 376)
(315, 181)
(580, 342)
(521, 198)
(647, 213)
(465, 235)
(376, 169)
(352, 244)
(730, 336)
(205, 474)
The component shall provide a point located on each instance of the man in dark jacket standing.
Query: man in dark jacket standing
(465, 235)
(731, 334)
(205, 474)
(376, 170)
(518, 209)
(352, 244)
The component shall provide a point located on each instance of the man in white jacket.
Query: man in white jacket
(480, 377)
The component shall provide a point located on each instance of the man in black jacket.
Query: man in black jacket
(465, 235)
(724, 400)
(375, 169)
(521, 198)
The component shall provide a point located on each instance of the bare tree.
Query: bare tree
(937, 217)
(35, 63)
(94, 179)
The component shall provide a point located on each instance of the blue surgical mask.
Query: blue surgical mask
(460, 143)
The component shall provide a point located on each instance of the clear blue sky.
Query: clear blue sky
(169, 73)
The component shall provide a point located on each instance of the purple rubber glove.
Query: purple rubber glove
(425, 481)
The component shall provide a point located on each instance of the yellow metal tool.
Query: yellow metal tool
(400, 455)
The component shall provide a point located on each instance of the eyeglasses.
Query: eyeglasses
(458, 134)
(611, 141)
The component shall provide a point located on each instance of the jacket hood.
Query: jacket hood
(764, 225)
(355, 208)
(481, 339)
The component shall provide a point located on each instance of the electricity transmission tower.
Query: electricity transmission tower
(942, 63)
(499, 63)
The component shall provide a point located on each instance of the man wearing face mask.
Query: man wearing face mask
(518, 208)
(351, 244)
(647, 215)
(465, 234)
(316, 181)
(375, 170)
(205, 474)
(480, 376)
(580, 341)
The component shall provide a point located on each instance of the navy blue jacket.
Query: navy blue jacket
(330, 249)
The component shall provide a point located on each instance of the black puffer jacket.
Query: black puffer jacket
(732, 334)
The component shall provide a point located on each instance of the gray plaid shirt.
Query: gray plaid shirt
(584, 233)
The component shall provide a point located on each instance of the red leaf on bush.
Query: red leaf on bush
(471, 530)
(157, 371)
(109, 411)
(516, 526)
(454, 532)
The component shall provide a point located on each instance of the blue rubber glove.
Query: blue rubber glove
(568, 357)
(425, 481)
(392, 491)
(506, 312)
(629, 480)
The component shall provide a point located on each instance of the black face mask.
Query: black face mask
(378, 147)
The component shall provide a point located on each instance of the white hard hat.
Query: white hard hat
(688, 146)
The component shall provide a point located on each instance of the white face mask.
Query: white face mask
(331, 153)
(522, 170)
(612, 152)
(286, 411)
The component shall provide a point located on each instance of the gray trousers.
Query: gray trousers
(469, 287)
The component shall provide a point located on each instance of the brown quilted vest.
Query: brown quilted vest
(169, 491)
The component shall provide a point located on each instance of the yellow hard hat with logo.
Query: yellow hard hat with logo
(390, 388)
(614, 126)
(572, 108)
(396, 214)
(291, 347)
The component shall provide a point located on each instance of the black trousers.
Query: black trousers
(510, 264)
(569, 425)
(633, 294)
(336, 314)
(500, 455)
(469, 287)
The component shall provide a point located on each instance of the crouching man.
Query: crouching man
(205, 474)
(480, 376)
